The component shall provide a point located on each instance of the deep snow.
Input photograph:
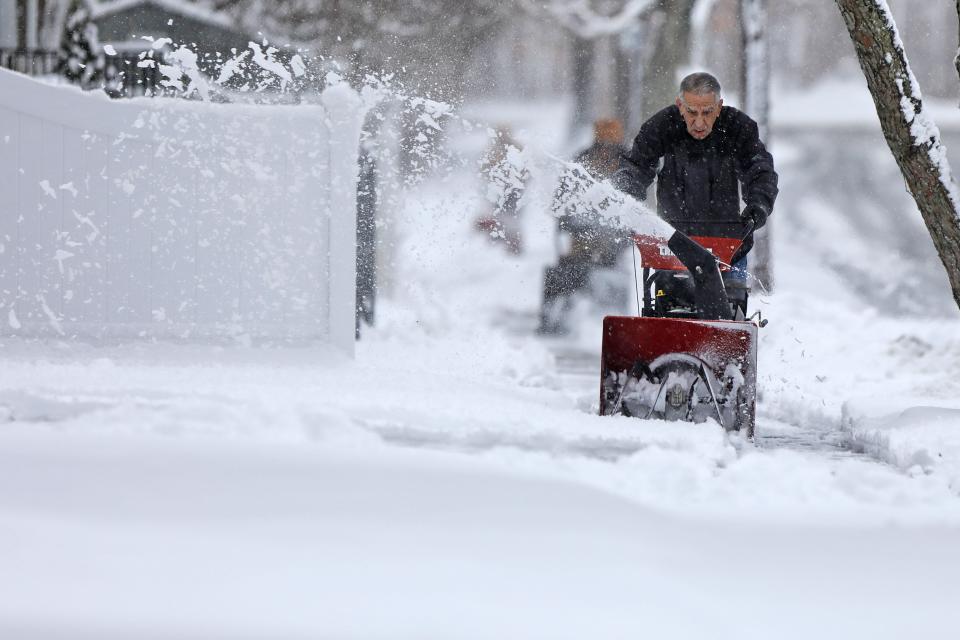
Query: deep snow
(454, 481)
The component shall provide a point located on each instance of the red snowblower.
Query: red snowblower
(692, 353)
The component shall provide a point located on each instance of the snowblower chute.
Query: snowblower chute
(684, 358)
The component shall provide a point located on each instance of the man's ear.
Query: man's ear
(678, 103)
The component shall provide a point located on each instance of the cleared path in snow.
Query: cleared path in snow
(579, 372)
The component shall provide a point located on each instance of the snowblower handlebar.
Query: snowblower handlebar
(745, 245)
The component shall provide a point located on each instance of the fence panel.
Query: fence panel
(9, 226)
(176, 219)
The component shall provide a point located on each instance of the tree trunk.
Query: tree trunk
(32, 25)
(622, 80)
(911, 135)
(756, 103)
(582, 60)
(640, 51)
(671, 50)
(53, 16)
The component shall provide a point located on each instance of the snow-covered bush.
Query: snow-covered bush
(81, 58)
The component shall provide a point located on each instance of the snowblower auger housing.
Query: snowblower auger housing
(678, 361)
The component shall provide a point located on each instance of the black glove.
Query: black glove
(757, 213)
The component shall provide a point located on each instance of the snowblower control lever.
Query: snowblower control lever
(745, 246)
(710, 296)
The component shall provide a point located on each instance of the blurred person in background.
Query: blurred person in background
(588, 245)
(503, 183)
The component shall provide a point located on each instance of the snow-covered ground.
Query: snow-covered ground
(455, 481)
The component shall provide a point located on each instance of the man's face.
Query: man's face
(699, 112)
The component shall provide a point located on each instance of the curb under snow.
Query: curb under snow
(916, 439)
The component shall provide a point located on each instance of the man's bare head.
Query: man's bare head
(699, 103)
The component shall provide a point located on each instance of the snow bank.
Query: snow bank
(174, 219)
(916, 439)
(861, 376)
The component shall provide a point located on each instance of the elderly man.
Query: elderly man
(709, 152)
(711, 156)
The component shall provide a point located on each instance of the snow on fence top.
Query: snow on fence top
(176, 219)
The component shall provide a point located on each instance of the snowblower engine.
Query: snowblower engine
(691, 355)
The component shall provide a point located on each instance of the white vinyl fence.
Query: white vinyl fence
(176, 219)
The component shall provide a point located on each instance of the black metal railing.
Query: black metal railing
(34, 62)
(123, 78)
(120, 75)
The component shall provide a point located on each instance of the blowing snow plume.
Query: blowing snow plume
(265, 74)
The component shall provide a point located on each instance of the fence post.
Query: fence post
(345, 120)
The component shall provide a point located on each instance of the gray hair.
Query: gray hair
(700, 84)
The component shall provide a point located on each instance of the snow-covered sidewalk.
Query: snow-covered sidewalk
(115, 535)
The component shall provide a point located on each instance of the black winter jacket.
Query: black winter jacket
(698, 185)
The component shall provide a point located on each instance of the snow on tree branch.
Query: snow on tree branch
(923, 130)
(910, 132)
(591, 18)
